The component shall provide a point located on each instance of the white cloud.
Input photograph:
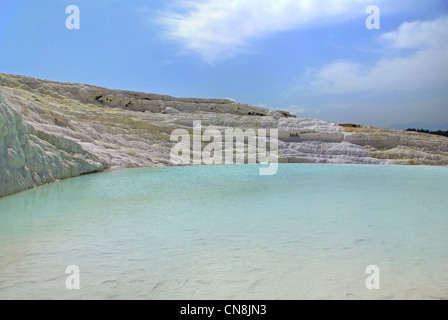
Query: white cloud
(408, 83)
(419, 35)
(219, 29)
(425, 67)
(300, 111)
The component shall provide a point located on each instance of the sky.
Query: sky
(314, 58)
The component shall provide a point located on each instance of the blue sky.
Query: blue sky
(315, 58)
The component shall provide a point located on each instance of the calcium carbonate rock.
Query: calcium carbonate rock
(27, 161)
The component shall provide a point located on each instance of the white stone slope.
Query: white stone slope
(51, 131)
(29, 157)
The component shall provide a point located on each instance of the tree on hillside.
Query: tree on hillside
(438, 132)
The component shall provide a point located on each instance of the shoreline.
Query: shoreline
(227, 165)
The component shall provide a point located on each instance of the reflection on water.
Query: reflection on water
(226, 233)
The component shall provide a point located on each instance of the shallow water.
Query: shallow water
(225, 232)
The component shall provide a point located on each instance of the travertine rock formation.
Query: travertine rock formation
(30, 157)
(51, 131)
